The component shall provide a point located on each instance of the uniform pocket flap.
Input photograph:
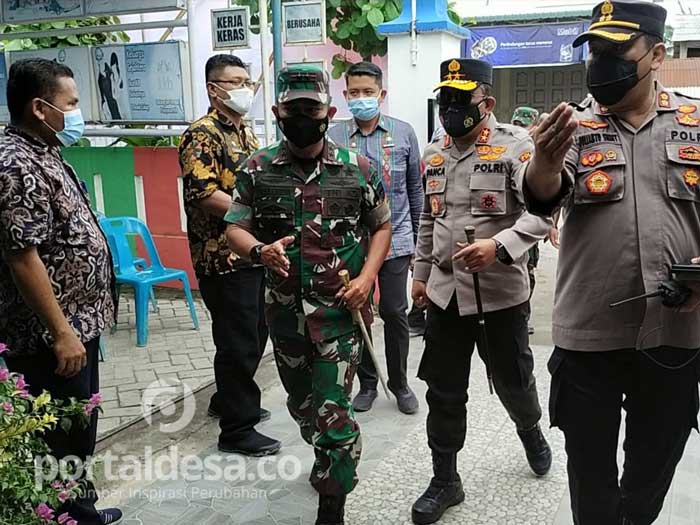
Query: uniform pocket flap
(601, 156)
(487, 182)
(435, 185)
(275, 208)
(683, 153)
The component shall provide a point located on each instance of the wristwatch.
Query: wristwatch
(502, 254)
(255, 254)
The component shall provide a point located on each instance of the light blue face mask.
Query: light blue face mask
(365, 108)
(73, 126)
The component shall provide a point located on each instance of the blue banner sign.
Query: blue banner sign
(518, 45)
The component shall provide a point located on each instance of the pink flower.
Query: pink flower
(3, 348)
(63, 497)
(21, 384)
(64, 518)
(44, 512)
(88, 409)
(71, 484)
(56, 485)
(23, 394)
(7, 407)
(4, 375)
(72, 522)
(96, 399)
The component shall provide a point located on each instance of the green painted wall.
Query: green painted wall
(116, 166)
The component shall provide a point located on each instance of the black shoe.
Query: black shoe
(364, 399)
(110, 516)
(212, 411)
(445, 491)
(530, 329)
(253, 444)
(440, 496)
(406, 400)
(537, 450)
(331, 510)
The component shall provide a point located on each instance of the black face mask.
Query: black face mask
(460, 120)
(303, 131)
(610, 77)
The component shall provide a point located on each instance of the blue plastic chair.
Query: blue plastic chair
(142, 280)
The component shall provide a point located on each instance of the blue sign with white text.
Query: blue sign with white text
(546, 44)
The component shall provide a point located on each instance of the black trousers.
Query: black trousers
(236, 302)
(446, 363)
(393, 303)
(38, 371)
(589, 391)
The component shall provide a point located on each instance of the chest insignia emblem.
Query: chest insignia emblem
(598, 182)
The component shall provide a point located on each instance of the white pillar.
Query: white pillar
(411, 86)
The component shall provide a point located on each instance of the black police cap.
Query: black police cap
(465, 74)
(620, 22)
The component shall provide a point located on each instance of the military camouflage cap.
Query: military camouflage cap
(303, 81)
(528, 116)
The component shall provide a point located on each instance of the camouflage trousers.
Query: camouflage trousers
(318, 378)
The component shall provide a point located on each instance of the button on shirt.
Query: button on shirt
(479, 186)
(631, 208)
(212, 152)
(43, 205)
(392, 147)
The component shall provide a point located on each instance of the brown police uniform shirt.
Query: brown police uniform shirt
(481, 187)
(631, 208)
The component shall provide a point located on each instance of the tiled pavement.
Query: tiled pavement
(175, 351)
(395, 463)
(394, 470)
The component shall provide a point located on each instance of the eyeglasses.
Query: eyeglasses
(237, 83)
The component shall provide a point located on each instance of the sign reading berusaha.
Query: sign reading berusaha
(304, 22)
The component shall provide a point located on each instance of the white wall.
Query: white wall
(411, 86)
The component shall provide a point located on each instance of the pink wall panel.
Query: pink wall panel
(160, 170)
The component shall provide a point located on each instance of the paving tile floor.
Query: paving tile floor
(175, 353)
(395, 469)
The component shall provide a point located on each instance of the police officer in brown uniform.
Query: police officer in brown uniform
(472, 178)
(625, 168)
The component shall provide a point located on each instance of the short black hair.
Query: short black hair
(652, 40)
(32, 78)
(365, 69)
(219, 62)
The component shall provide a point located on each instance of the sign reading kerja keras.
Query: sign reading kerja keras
(229, 27)
(304, 22)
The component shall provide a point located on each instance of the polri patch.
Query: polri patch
(689, 153)
(489, 201)
(592, 158)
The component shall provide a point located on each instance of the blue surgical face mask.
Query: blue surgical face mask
(365, 108)
(73, 126)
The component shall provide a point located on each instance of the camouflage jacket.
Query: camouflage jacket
(332, 212)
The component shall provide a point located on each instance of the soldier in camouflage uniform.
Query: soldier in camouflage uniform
(307, 209)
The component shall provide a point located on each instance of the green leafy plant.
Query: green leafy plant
(29, 494)
(352, 25)
(93, 39)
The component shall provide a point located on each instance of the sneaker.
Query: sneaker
(406, 400)
(110, 516)
(364, 399)
(537, 450)
(254, 444)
